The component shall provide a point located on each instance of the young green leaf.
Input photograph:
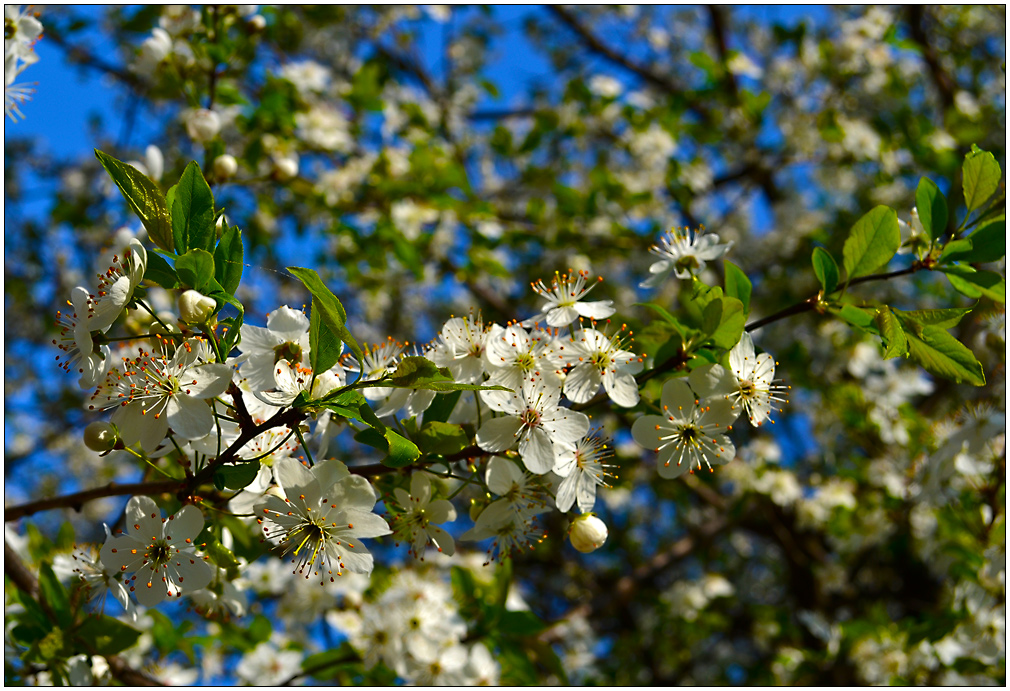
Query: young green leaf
(332, 312)
(931, 206)
(442, 406)
(826, 269)
(987, 244)
(400, 452)
(160, 271)
(915, 320)
(196, 270)
(324, 345)
(858, 317)
(413, 371)
(873, 240)
(731, 323)
(943, 355)
(975, 284)
(953, 250)
(980, 175)
(237, 476)
(228, 257)
(737, 284)
(442, 438)
(193, 212)
(891, 333)
(104, 635)
(144, 198)
(55, 595)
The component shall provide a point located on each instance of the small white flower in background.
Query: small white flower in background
(225, 166)
(534, 421)
(755, 389)
(587, 533)
(461, 347)
(444, 668)
(285, 337)
(599, 361)
(324, 127)
(914, 238)
(153, 165)
(267, 665)
(379, 360)
(158, 552)
(292, 379)
(321, 519)
(221, 599)
(157, 392)
(583, 471)
(605, 86)
(689, 434)
(115, 287)
(514, 355)
(409, 217)
(684, 252)
(416, 523)
(306, 75)
(481, 669)
(202, 125)
(564, 300)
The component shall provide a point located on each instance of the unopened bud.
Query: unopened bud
(587, 533)
(195, 308)
(202, 125)
(100, 436)
(225, 166)
(257, 22)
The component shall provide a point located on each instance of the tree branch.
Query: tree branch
(78, 499)
(944, 83)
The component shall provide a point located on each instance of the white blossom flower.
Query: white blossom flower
(221, 599)
(285, 337)
(268, 665)
(689, 433)
(461, 347)
(157, 392)
(564, 300)
(600, 361)
(583, 470)
(379, 360)
(534, 421)
(514, 354)
(202, 125)
(291, 379)
(86, 564)
(158, 552)
(322, 518)
(75, 339)
(481, 669)
(914, 238)
(684, 252)
(755, 389)
(416, 523)
(306, 75)
(115, 287)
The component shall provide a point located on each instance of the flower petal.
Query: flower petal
(499, 434)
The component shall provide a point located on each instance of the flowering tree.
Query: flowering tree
(586, 465)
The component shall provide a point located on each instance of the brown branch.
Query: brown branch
(719, 34)
(25, 581)
(78, 499)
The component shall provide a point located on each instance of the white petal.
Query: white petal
(565, 425)
(623, 390)
(537, 451)
(149, 588)
(499, 434)
(566, 493)
(600, 309)
(583, 382)
(561, 316)
(585, 489)
(442, 540)
(185, 523)
(645, 433)
(189, 417)
(206, 381)
(711, 380)
(501, 474)
(677, 399)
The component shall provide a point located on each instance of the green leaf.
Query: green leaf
(345, 403)
(953, 249)
(987, 244)
(196, 270)
(400, 452)
(873, 240)
(858, 317)
(193, 212)
(730, 324)
(891, 333)
(931, 206)
(103, 635)
(980, 175)
(943, 355)
(238, 476)
(333, 315)
(826, 269)
(737, 284)
(442, 406)
(228, 257)
(413, 371)
(144, 198)
(520, 623)
(669, 318)
(324, 346)
(975, 284)
(160, 271)
(915, 320)
(442, 438)
(55, 595)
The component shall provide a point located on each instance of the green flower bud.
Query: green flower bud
(100, 436)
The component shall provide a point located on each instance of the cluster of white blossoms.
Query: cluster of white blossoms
(21, 30)
(697, 412)
(414, 627)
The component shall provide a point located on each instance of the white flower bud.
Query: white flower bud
(195, 308)
(285, 168)
(202, 125)
(257, 22)
(225, 166)
(100, 436)
(587, 533)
